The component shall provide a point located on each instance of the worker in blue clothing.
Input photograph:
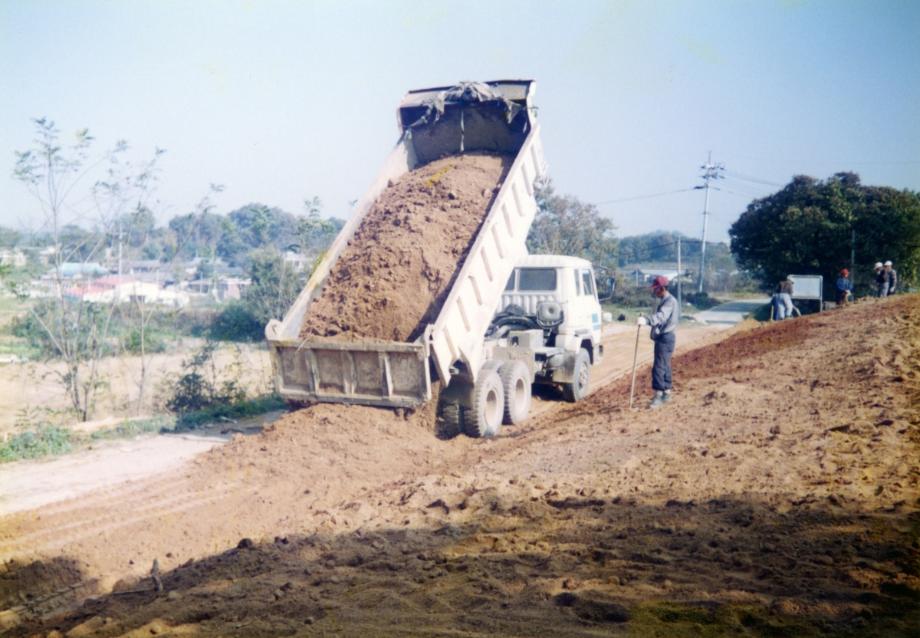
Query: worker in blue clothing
(844, 287)
(664, 326)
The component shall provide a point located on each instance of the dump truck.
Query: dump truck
(509, 319)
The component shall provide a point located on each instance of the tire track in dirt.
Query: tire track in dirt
(160, 508)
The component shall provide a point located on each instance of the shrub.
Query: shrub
(198, 389)
(28, 327)
(153, 341)
(236, 322)
(194, 322)
(44, 441)
(225, 411)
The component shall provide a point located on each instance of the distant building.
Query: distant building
(13, 257)
(297, 262)
(127, 289)
(46, 255)
(151, 270)
(219, 288)
(79, 270)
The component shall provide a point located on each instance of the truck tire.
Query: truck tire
(483, 418)
(516, 384)
(449, 424)
(581, 378)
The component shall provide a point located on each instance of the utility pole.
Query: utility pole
(680, 302)
(119, 246)
(710, 172)
(853, 253)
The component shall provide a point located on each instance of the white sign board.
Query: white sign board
(807, 286)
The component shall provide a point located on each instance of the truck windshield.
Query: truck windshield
(531, 279)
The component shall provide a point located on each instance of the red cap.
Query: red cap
(844, 272)
(660, 282)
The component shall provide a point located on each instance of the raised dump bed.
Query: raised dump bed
(325, 349)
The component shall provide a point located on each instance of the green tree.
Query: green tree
(564, 225)
(314, 232)
(9, 238)
(659, 245)
(76, 244)
(274, 286)
(139, 227)
(811, 226)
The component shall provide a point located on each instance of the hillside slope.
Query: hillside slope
(778, 494)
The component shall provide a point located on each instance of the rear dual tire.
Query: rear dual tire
(581, 378)
(516, 383)
(502, 394)
(483, 417)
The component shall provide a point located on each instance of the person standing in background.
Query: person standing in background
(892, 276)
(881, 280)
(782, 300)
(844, 287)
(664, 325)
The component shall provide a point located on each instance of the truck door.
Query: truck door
(588, 312)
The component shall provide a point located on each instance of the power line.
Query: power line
(747, 195)
(637, 197)
(755, 180)
(750, 188)
(676, 241)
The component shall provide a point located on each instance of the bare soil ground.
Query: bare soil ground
(26, 485)
(776, 495)
(397, 270)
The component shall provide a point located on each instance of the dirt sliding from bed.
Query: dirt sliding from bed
(396, 271)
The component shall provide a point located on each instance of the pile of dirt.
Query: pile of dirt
(397, 269)
(776, 495)
(311, 469)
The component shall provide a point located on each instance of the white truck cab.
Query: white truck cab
(569, 281)
(547, 330)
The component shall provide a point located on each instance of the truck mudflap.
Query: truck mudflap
(384, 374)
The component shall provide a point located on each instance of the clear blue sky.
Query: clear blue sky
(282, 100)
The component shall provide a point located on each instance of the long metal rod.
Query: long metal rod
(632, 387)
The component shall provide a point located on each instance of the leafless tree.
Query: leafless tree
(58, 175)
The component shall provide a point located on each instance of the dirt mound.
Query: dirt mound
(775, 498)
(397, 269)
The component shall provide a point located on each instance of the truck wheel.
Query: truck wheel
(581, 379)
(484, 416)
(449, 424)
(516, 384)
